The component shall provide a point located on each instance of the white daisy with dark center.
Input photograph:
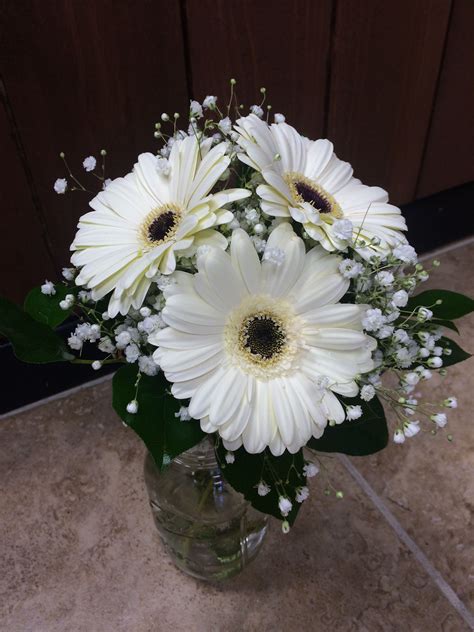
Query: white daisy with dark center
(140, 222)
(261, 349)
(306, 181)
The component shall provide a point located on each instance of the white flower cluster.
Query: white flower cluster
(125, 339)
(85, 332)
(407, 343)
(269, 194)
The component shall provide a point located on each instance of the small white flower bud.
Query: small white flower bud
(302, 494)
(398, 436)
(310, 470)
(145, 312)
(440, 419)
(48, 288)
(424, 314)
(285, 505)
(411, 428)
(263, 489)
(132, 407)
(450, 402)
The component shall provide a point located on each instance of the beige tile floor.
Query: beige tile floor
(78, 550)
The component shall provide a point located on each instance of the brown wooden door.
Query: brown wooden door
(387, 82)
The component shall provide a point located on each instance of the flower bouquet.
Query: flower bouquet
(252, 290)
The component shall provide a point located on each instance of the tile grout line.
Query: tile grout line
(420, 557)
(56, 396)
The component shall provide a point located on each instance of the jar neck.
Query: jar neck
(199, 457)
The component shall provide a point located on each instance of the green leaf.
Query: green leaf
(360, 437)
(245, 473)
(32, 341)
(457, 354)
(45, 308)
(155, 423)
(445, 323)
(453, 305)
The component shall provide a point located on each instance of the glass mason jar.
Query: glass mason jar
(210, 531)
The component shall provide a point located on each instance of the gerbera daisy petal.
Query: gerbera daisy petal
(360, 196)
(180, 340)
(276, 445)
(154, 183)
(257, 435)
(232, 430)
(201, 399)
(228, 397)
(290, 147)
(333, 407)
(245, 259)
(319, 155)
(283, 412)
(187, 388)
(327, 289)
(197, 371)
(336, 175)
(220, 273)
(339, 315)
(337, 339)
(194, 310)
(283, 239)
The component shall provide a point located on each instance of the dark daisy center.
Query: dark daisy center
(308, 194)
(161, 226)
(264, 337)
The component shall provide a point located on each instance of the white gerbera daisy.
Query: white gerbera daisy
(262, 347)
(140, 221)
(306, 181)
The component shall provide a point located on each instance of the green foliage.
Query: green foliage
(453, 305)
(155, 423)
(284, 474)
(444, 323)
(32, 341)
(360, 437)
(45, 308)
(457, 354)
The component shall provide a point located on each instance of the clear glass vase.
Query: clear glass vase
(210, 531)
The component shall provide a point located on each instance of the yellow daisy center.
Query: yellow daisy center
(261, 336)
(160, 224)
(304, 189)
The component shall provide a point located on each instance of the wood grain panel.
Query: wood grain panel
(83, 75)
(24, 257)
(280, 44)
(449, 157)
(385, 64)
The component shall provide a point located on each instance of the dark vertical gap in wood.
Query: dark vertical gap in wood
(15, 132)
(329, 66)
(188, 68)
(433, 103)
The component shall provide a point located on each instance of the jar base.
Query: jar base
(217, 556)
